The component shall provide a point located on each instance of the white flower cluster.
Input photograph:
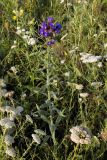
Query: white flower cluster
(11, 152)
(67, 74)
(36, 137)
(96, 84)
(13, 112)
(78, 86)
(13, 69)
(8, 123)
(62, 1)
(26, 36)
(3, 91)
(2, 88)
(99, 64)
(84, 94)
(89, 58)
(80, 135)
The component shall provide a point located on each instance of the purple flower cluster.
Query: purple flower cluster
(49, 29)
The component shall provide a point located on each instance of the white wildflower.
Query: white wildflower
(62, 1)
(82, 2)
(8, 140)
(4, 121)
(91, 59)
(39, 131)
(67, 74)
(36, 138)
(80, 99)
(99, 64)
(3, 92)
(15, 41)
(23, 96)
(85, 55)
(18, 32)
(11, 152)
(7, 108)
(2, 83)
(17, 111)
(26, 37)
(23, 30)
(80, 135)
(9, 94)
(75, 138)
(32, 41)
(13, 69)
(84, 95)
(95, 35)
(12, 116)
(29, 119)
(27, 32)
(7, 123)
(18, 28)
(63, 61)
(79, 86)
(96, 84)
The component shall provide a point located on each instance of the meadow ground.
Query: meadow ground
(53, 79)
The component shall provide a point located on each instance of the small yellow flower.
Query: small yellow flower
(14, 17)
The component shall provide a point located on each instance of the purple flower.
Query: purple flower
(41, 31)
(50, 19)
(51, 42)
(58, 27)
(46, 34)
(50, 29)
(44, 25)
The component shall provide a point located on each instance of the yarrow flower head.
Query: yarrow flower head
(9, 140)
(49, 29)
(7, 123)
(80, 135)
(11, 152)
(36, 138)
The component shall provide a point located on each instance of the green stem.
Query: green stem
(48, 80)
(75, 152)
(27, 150)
